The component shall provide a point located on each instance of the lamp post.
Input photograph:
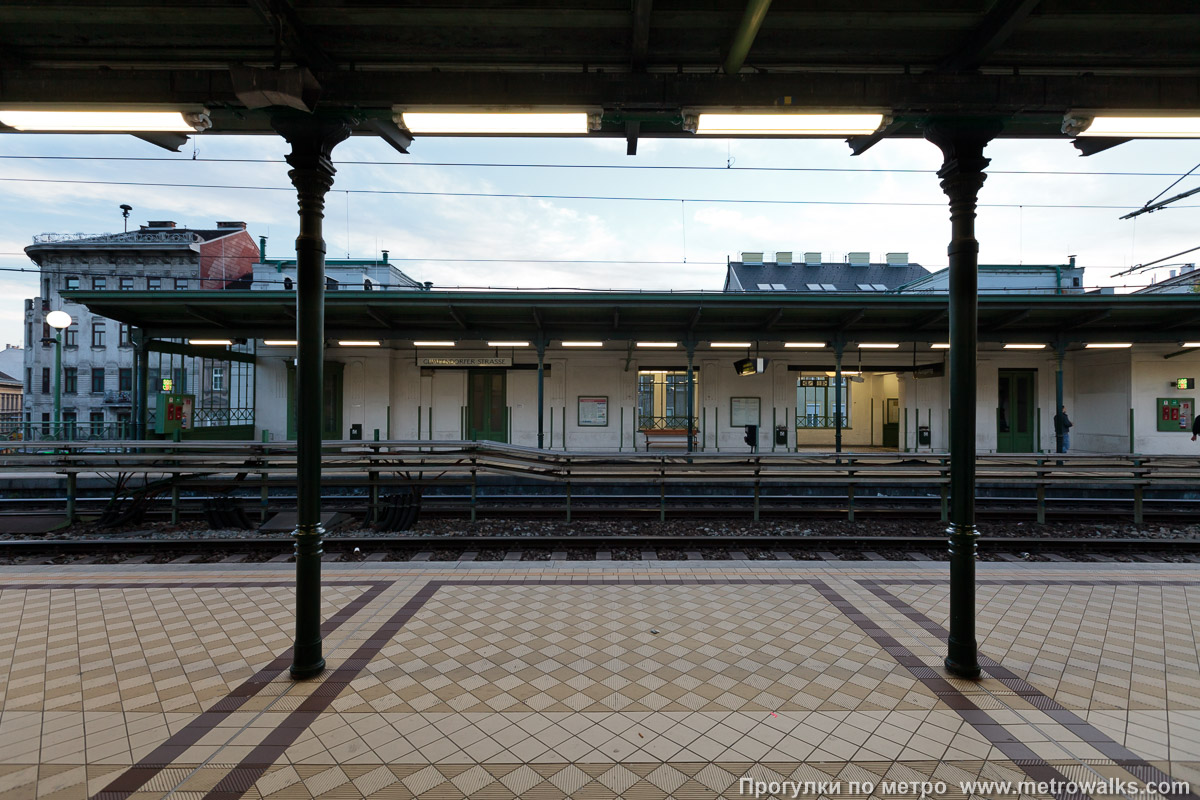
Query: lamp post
(59, 320)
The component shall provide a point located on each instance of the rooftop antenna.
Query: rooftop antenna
(125, 209)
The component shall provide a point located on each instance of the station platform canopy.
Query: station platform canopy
(675, 316)
(636, 67)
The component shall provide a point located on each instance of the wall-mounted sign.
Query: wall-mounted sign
(168, 385)
(1185, 383)
(743, 411)
(1175, 413)
(464, 361)
(593, 412)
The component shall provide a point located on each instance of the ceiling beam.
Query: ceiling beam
(850, 319)
(743, 37)
(1088, 319)
(286, 24)
(374, 314)
(1001, 20)
(208, 316)
(454, 315)
(931, 319)
(1011, 319)
(640, 48)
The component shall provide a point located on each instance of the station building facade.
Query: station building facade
(457, 365)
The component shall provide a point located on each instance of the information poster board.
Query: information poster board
(1175, 414)
(593, 412)
(743, 411)
(174, 412)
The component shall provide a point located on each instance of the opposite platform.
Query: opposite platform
(544, 679)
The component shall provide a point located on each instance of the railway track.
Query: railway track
(353, 548)
(724, 507)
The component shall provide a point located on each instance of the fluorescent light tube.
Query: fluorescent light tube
(508, 344)
(356, 343)
(1107, 345)
(221, 342)
(428, 122)
(433, 344)
(788, 124)
(1145, 127)
(658, 344)
(940, 346)
(877, 346)
(730, 344)
(280, 342)
(583, 344)
(805, 345)
(1024, 347)
(101, 121)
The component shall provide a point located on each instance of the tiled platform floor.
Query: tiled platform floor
(544, 679)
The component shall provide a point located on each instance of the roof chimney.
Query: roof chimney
(262, 248)
(812, 259)
(752, 258)
(158, 224)
(241, 226)
(784, 258)
(897, 259)
(858, 259)
(385, 255)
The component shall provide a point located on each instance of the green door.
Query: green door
(487, 407)
(331, 405)
(1015, 411)
(891, 422)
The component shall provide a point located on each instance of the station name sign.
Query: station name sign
(464, 361)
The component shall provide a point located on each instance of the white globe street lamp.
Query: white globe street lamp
(59, 320)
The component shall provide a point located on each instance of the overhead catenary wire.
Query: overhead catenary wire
(632, 167)
(520, 196)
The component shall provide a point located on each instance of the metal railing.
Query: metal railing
(669, 422)
(415, 464)
(129, 237)
(819, 421)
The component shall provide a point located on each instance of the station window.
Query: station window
(98, 380)
(70, 380)
(71, 336)
(153, 283)
(69, 417)
(181, 283)
(662, 399)
(45, 423)
(126, 283)
(96, 420)
(123, 334)
(125, 379)
(71, 282)
(218, 379)
(46, 386)
(100, 283)
(99, 338)
(815, 406)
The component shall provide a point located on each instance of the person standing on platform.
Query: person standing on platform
(1062, 429)
(1195, 427)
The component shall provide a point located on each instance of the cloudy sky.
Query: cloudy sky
(580, 213)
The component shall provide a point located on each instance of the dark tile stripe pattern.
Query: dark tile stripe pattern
(272, 748)
(995, 732)
(162, 756)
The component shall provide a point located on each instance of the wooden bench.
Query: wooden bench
(668, 438)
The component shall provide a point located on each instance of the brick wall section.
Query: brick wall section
(227, 259)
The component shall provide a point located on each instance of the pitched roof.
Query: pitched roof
(797, 277)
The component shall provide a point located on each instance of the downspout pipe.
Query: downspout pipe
(743, 37)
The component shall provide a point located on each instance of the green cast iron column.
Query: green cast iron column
(58, 423)
(312, 139)
(837, 395)
(143, 387)
(1059, 349)
(962, 143)
(691, 393)
(541, 350)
